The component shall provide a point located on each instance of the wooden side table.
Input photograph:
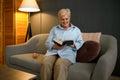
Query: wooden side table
(7, 73)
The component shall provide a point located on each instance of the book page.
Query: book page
(57, 41)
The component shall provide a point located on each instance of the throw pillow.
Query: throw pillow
(88, 52)
(91, 36)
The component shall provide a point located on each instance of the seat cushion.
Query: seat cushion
(80, 71)
(27, 61)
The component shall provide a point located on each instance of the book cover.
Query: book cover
(61, 43)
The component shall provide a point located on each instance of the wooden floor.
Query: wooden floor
(7, 73)
(114, 78)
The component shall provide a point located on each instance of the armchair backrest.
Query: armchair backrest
(107, 42)
(38, 43)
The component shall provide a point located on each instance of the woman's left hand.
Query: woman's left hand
(73, 46)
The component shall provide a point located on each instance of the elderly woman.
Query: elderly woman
(58, 58)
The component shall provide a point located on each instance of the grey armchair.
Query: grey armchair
(20, 57)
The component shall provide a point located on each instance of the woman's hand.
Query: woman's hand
(58, 47)
(73, 46)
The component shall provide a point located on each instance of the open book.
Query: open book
(61, 43)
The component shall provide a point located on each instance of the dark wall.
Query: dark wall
(90, 16)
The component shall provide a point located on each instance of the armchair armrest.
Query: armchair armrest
(28, 47)
(106, 63)
(104, 67)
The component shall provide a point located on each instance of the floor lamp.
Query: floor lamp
(29, 6)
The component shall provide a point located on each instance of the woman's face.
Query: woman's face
(64, 21)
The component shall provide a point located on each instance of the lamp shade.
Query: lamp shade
(29, 6)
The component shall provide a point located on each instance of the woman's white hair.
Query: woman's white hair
(64, 11)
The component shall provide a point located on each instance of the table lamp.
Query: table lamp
(29, 6)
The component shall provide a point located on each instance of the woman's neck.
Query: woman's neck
(66, 27)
